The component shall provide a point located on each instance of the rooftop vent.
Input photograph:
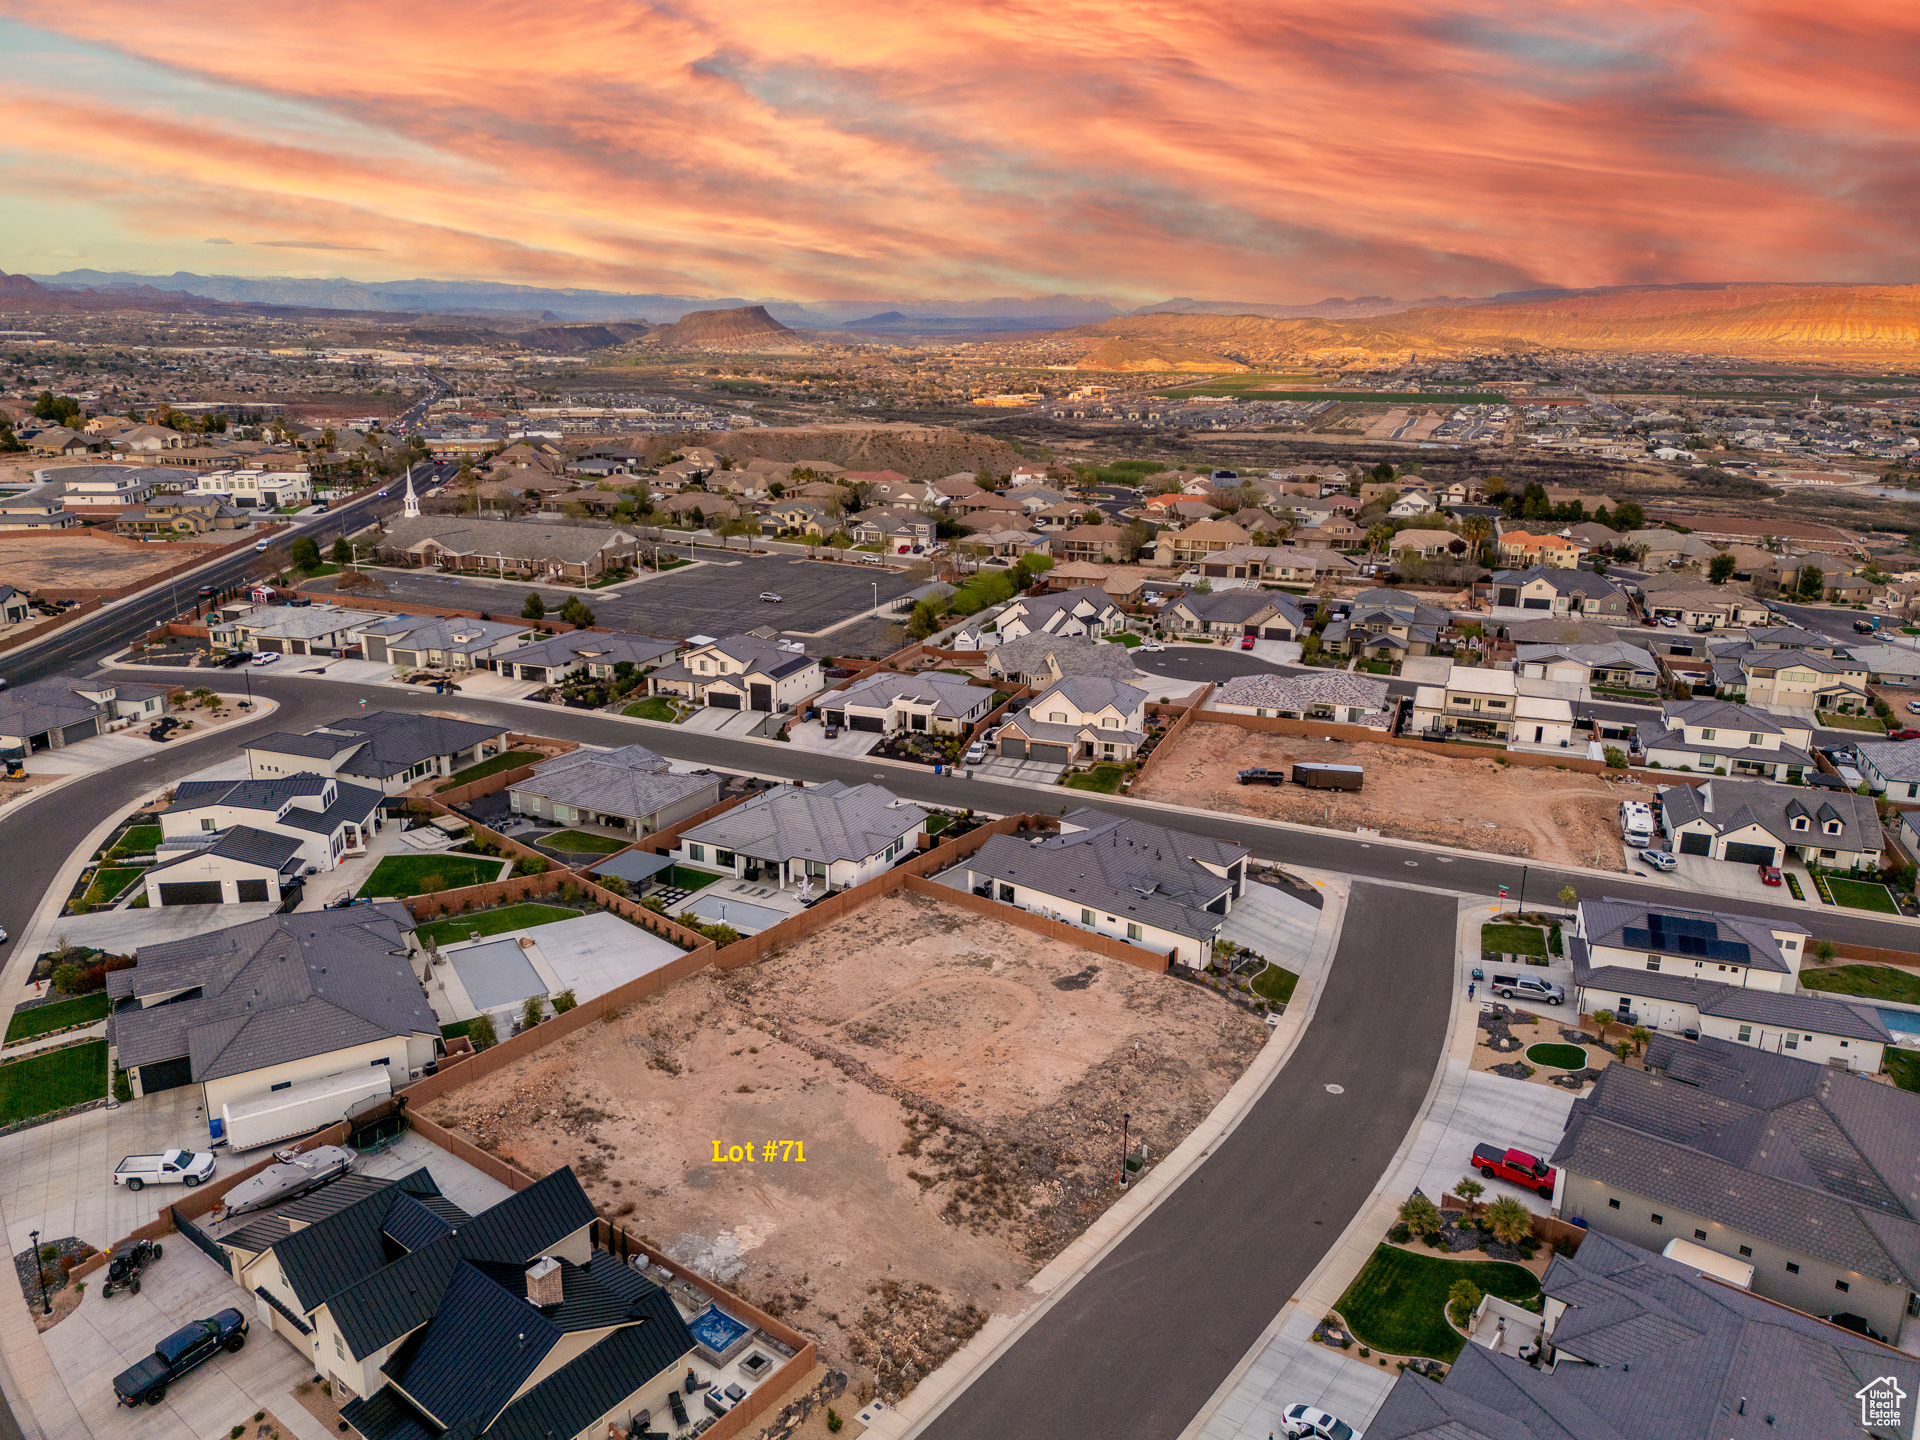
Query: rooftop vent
(544, 1282)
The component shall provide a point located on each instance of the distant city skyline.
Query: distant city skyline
(845, 148)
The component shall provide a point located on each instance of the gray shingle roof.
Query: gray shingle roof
(393, 741)
(952, 695)
(1121, 867)
(514, 539)
(631, 781)
(315, 746)
(1730, 804)
(1783, 1011)
(1692, 934)
(1896, 761)
(1088, 693)
(1816, 1160)
(1073, 655)
(599, 647)
(27, 710)
(273, 990)
(826, 822)
(1301, 692)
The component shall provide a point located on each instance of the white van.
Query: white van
(1636, 823)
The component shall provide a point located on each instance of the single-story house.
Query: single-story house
(298, 629)
(1751, 822)
(930, 703)
(629, 789)
(826, 836)
(53, 713)
(1561, 591)
(1332, 695)
(384, 748)
(422, 642)
(1039, 660)
(593, 652)
(1613, 664)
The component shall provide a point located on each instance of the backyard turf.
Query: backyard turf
(580, 842)
(399, 876)
(508, 761)
(1870, 982)
(493, 922)
(1398, 1301)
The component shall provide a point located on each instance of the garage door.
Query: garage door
(1753, 854)
(79, 730)
(1055, 754)
(1277, 632)
(251, 890)
(1530, 604)
(1013, 747)
(866, 722)
(762, 696)
(720, 700)
(1696, 844)
(166, 1075)
(190, 892)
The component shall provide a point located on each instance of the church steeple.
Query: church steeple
(411, 510)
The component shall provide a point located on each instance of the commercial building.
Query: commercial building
(507, 547)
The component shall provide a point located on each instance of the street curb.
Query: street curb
(1122, 1218)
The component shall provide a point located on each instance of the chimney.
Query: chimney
(543, 1282)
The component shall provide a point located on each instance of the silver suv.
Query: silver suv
(1528, 987)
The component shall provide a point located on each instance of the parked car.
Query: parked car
(1528, 987)
(976, 753)
(1913, 707)
(169, 1167)
(1516, 1167)
(1667, 622)
(1660, 859)
(1903, 735)
(770, 597)
(1303, 1422)
(179, 1355)
(832, 732)
(265, 657)
(1152, 645)
(1246, 642)
(1865, 627)
(1770, 875)
(1260, 775)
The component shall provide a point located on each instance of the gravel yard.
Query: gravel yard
(1563, 816)
(955, 1085)
(71, 562)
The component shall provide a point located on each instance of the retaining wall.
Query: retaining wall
(1188, 711)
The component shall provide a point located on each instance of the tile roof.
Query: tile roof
(631, 781)
(824, 822)
(50, 704)
(1892, 760)
(1299, 692)
(1780, 1009)
(273, 990)
(951, 695)
(1693, 934)
(393, 741)
(425, 632)
(1731, 804)
(1073, 654)
(595, 646)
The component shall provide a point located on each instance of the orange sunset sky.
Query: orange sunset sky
(1277, 152)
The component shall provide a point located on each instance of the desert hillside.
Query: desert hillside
(1140, 355)
(1809, 320)
(920, 452)
(1255, 339)
(739, 328)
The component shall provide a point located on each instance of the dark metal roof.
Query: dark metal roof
(345, 1245)
(278, 1304)
(384, 1415)
(480, 1347)
(577, 1394)
(410, 1224)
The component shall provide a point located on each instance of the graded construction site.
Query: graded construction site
(1566, 817)
(955, 1085)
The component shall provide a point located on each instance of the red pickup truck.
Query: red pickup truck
(1516, 1167)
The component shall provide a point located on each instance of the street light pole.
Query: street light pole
(46, 1305)
(1523, 889)
(1126, 1118)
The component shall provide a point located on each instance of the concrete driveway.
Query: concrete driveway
(1475, 1108)
(1274, 923)
(812, 735)
(1292, 1370)
(1708, 880)
(715, 720)
(1030, 772)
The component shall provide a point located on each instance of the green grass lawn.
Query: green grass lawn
(1129, 640)
(402, 875)
(53, 1081)
(1103, 778)
(937, 823)
(1513, 939)
(681, 878)
(458, 1027)
(108, 882)
(1904, 1067)
(1398, 1301)
(1275, 983)
(1854, 722)
(139, 840)
(654, 707)
(82, 1009)
(1557, 1057)
(580, 842)
(508, 761)
(493, 922)
(1870, 982)
(1862, 895)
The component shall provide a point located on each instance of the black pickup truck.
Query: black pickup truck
(145, 1383)
(1260, 775)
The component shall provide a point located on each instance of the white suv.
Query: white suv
(1303, 1422)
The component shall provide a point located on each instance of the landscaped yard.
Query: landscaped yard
(1862, 895)
(139, 840)
(1127, 639)
(1513, 940)
(1870, 982)
(1398, 1301)
(1557, 1057)
(1275, 983)
(937, 823)
(508, 761)
(53, 1080)
(654, 707)
(1904, 1067)
(1103, 778)
(493, 922)
(681, 878)
(580, 842)
(1852, 722)
(108, 882)
(43, 1019)
(399, 876)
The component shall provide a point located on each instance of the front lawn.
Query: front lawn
(1398, 1301)
(1275, 984)
(580, 842)
(493, 922)
(53, 1081)
(1904, 1067)
(1128, 640)
(109, 883)
(1555, 1056)
(1870, 982)
(1103, 778)
(140, 840)
(1513, 940)
(399, 876)
(1853, 722)
(510, 760)
(654, 707)
(1861, 895)
(43, 1019)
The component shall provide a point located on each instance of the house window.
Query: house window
(1613, 1204)
(723, 857)
(1658, 1219)
(1793, 1267)
(1747, 1250)
(1841, 1286)
(206, 823)
(1699, 1234)
(383, 1060)
(696, 852)
(1793, 1042)
(338, 1348)
(1706, 734)
(1086, 916)
(1832, 827)
(1006, 894)
(1799, 822)
(1653, 962)
(283, 1085)
(1133, 930)
(1746, 1034)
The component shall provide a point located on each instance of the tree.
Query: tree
(1510, 1221)
(1812, 581)
(1720, 569)
(342, 552)
(480, 1033)
(576, 613)
(1469, 1190)
(1629, 516)
(1134, 536)
(1569, 896)
(1420, 1215)
(535, 608)
(1462, 1300)
(305, 553)
(1824, 952)
(1603, 1018)
(1639, 1035)
(533, 1011)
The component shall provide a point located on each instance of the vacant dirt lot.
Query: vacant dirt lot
(957, 1086)
(1554, 815)
(75, 561)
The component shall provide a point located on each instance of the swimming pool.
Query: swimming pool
(724, 910)
(1903, 1024)
(718, 1332)
(495, 974)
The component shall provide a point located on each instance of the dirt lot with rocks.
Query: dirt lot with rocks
(76, 562)
(1564, 816)
(955, 1086)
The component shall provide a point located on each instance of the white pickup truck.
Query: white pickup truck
(171, 1167)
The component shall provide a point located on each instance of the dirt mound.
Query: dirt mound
(739, 328)
(1138, 355)
(921, 452)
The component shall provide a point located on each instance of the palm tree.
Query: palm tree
(1420, 1215)
(1603, 1018)
(1469, 1190)
(1509, 1220)
(1474, 530)
(1639, 1035)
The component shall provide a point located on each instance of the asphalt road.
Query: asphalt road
(714, 599)
(1838, 624)
(1142, 1341)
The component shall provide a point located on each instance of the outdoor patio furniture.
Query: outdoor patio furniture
(678, 1406)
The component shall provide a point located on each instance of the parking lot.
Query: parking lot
(716, 597)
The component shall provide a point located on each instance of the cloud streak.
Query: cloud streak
(850, 147)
